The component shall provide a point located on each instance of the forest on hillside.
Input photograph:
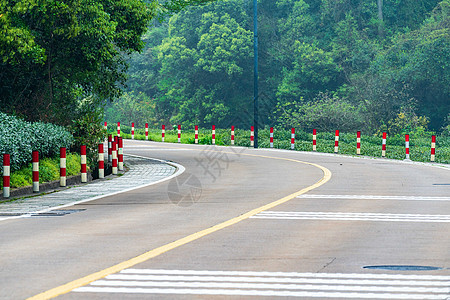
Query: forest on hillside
(328, 64)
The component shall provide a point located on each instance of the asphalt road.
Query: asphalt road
(333, 217)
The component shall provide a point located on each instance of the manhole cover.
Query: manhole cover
(402, 268)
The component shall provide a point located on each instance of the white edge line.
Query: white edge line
(180, 170)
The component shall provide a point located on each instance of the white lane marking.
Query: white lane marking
(375, 197)
(284, 274)
(276, 279)
(258, 293)
(272, 284)
(281, 215)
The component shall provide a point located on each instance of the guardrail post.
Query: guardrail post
(83, 164)
(314, 140)
(292, 138)
(232, 135)
(6, 175)
(120, 154)
(146, 131)
(62, 167)
(433, 147)
(358, 143)
(101, 161)
(35, 155)
(336, 142)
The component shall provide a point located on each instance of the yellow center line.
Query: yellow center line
(66, 288)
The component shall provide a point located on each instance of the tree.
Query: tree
(54, 53)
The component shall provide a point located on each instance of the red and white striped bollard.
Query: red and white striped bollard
(114, 158)
(407, 146)
(35, 155)
(292, 138)
(120, 153)
(118, 128)
(62, 167)
(213, 134)
(106, 126)
(252, 136)
(179, 133)
(383, 145)
(101, 161)
(336, 142)
(314, 140)
(163, 132)
(271, 137)
(232, 135)
(196, 134)
(358, 143)
(110, 148)
(6, 175)
(433, 147)
(146, 131)
(83, 164)
(132, 131)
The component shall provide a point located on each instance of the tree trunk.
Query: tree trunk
(380, 17)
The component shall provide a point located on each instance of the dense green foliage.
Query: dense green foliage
(54, 53)
(370, 64)
(19, 138)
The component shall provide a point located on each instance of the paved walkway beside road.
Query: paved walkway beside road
(142, 171)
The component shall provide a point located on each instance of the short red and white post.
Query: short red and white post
(62, 167)
(101, 161)
(314, 140)
(6, 175)
(110, 148)
(114, 158)
(407, 146)
(132, 131)
(433, 147)
(163, 132)
(196, 134)
(214, 134)
(83, 164)
(271, 137)
(35, 155)
(146, 131)
(358, 143)
(232, 135)
(336, 142)
(118, 128)
(383, 145)
(105, 126)
(179, 133)
(252, 136)
(120, 153)
(292, 138)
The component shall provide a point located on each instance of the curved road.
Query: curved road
(243, 223)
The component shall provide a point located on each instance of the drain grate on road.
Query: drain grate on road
(402, 268)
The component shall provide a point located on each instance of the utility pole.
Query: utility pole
(255, 70)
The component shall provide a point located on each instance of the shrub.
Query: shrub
(19, 138)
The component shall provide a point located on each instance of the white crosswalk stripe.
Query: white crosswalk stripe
(374, 197)
(292, 215)
(273, 284)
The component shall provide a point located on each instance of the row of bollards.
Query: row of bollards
(115, 157)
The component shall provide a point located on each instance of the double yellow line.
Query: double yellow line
(65, 288)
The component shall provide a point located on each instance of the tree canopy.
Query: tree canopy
(380, 58)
